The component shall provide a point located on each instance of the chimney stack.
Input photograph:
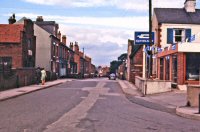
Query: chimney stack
(39, 19)
(76, 47)
(71, 46)
(12, 19)
(190, 5)
(59, 35)
(64, 39)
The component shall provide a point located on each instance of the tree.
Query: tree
(122, 57)
(116, 63)
(114, 66)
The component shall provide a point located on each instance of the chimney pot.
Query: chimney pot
(39, 19)
(59, 35)
(64, 39)
(190, 5)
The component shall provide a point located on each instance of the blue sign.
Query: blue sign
(143, 38)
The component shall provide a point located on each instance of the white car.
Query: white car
(112, 76)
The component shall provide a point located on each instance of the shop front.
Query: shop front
(180, 65)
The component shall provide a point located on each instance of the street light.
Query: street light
(150, 39)
(83, 63)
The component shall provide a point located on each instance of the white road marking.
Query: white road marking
(68, 122)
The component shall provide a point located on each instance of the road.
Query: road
(90, 105)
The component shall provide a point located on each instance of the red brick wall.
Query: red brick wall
(18, 78)
(136, 67)
(77, 60)
(19, 50)
(181, 62)
(14, 51)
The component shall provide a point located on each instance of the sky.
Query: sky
(101, 27)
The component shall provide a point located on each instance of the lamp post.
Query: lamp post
(150, 39)
(83, 63)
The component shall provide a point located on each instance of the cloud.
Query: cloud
(113, 22)
(142, 5)
(102, 44)
(104, 39)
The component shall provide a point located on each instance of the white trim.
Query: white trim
(189, 47)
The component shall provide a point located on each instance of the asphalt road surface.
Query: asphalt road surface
(90, 105)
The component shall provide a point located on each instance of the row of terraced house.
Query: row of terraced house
(26, 45)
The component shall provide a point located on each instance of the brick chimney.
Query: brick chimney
(64, 39)
(76, 47)
(71, 46)
(39, 19)
(190, 5)
(12, 19)
(59, 35)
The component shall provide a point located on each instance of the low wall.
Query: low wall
(147, 86)
(193, 95)
(21, 77)
(17, 78)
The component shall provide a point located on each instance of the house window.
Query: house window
(179, 35)
(161, 68)
(175, 35)
(5, 64)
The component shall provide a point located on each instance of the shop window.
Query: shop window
(174, 68)
(192, 66)
(167, 67)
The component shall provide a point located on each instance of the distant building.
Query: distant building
(104, 71)
(134, 61)
(72, 60)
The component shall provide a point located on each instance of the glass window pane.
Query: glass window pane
(178, 32)
(192, 66)
(178, 38)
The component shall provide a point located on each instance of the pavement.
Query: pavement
(12, 93)
(172, 102)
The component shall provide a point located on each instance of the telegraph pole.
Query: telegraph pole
(83, 63)
(150, 39)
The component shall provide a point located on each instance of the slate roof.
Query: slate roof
(20, 21)
(10, 33)
(177, 16)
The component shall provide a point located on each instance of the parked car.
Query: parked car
(112, 76)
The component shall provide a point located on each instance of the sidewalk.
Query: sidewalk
(12, 93)
(172, 102)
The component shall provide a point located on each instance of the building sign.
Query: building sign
(143, 38)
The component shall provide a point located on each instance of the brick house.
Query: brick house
(72, 64)
(88, 65)
(130, 44)
(134, 61)
(48, 43)
(104, 71)
(93, 70)
(17, 44)
(63, 56)
(178, 43)
(46, 50)
(83, 62)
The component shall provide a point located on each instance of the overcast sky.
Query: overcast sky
(102, 27)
